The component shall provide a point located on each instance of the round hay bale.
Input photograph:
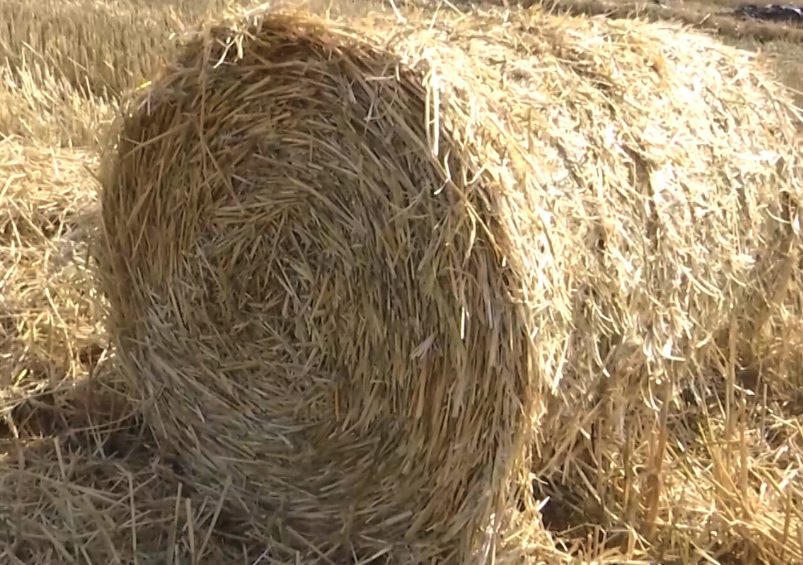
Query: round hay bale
(345, 264)
(303, 282)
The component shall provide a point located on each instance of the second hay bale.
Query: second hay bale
(346, 269)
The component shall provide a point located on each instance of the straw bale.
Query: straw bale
(352, 268)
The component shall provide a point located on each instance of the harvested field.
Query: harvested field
(67, 63)
(508, 288)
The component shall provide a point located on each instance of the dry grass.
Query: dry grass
(36, 105)
(48, 199)
(99, 48)
(65, 64)
(702, 467)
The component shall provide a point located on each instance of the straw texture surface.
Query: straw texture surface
(351, 269)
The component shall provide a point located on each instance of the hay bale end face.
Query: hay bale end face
(345, 267)
(304, 286)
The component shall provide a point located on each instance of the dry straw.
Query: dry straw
(100, 48)
(48, 207)
(64, 64)
(352, 268)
